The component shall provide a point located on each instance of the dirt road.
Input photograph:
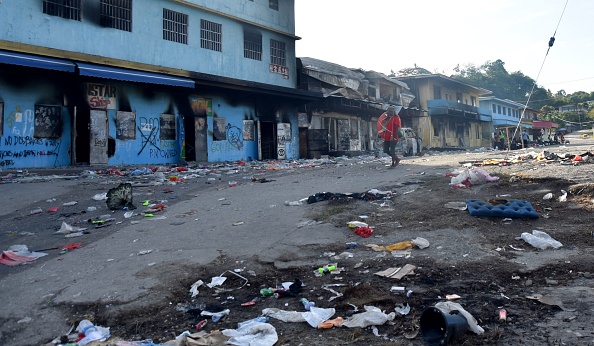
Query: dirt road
(134, 275)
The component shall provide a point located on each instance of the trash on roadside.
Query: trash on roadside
(452, 297)
(547, 196)
(19, 254)
(356, 224)
(501, 208)
(202, 338)
(91, 332)
(69, 204)
(120, 197)
(403, 310)
(254, 333)
(397, 273)
(563, 196)
(194, 287)
(335, 322)
(219, 280)
(100, 196)
(448, 307)
(66, 229)
(421, 243)
(144, 252)
(549, 300)
(540, 239)
(456, 205)
(470, 177)
(36, 211)
(439, 327)
(363, 232)
(292, 203)
(372, 316)
(336, 294)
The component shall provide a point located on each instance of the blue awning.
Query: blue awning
(99, 71)
(29, 60)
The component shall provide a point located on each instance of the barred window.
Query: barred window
(116, 14)
(211, 35)
(175, 26)
(273, 4)
(252, 45)
(278, 53)
(69, 9)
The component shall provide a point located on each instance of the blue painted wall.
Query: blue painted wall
(19, 148)
(24, 22)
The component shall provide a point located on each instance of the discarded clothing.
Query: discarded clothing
(19, 254)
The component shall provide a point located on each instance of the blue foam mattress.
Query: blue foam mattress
(513, 208)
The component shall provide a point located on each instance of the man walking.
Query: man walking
(390, 124)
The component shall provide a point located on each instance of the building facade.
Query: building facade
(451, 116)
(147, 82)
(344, 121)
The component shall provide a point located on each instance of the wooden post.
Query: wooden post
(507, 135)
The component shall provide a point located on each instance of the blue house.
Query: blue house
(147, 82)
(507, 115)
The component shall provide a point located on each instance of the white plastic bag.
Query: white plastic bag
(371, 317)
(540, 240)
(252, 334)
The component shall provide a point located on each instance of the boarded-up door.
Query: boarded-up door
(201, 133)
(98, 138)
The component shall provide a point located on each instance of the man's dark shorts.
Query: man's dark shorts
(390, 147)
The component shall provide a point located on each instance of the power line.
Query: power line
(551, 42)
(569, 81)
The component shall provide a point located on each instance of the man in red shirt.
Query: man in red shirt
(390, 124)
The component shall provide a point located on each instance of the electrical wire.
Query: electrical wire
(551, 43)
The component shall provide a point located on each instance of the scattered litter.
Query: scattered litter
(456, 205)
(194, 288)
(91, 332)
(292, 203)
(144, 252)
(452, 297)
(356, 224)
(19, 254)
(363, 232)
(540, 240)
(238, 223)
(36, 211)
(120, 197)
(448, 307)
(397, 273)
(548, 300)
(547, 196)
(372, 316)
(337, 294)
(254, 333)
(563, 196)
(403, 310)
(421, 243)
(69, 204)
(100, 196)
(25, 320)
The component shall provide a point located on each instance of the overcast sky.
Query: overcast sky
(384, 35)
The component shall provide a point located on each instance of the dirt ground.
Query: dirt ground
(481, 259)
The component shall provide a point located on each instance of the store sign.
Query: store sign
(100, 96)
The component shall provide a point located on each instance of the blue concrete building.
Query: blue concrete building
(508, 117)
(147, 82)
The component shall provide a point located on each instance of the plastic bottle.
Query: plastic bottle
(219, 315)
(262, 319)
(326, 269)
(307, 304)
(266, 292)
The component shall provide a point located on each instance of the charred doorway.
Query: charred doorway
(267, 140)
(82, 134)
(190, 138)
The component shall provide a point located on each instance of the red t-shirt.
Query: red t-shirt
(389, 131)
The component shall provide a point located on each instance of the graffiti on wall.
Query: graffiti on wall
(21, 122)
(233, 140)
(27, 147)
(22, 141)
(149, 129)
